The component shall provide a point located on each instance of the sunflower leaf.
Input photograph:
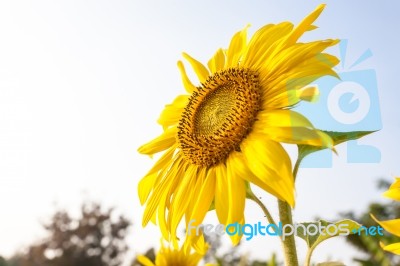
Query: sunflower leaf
(326, 230)
(337, 137)
(314, 233)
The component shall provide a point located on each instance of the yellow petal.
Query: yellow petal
(164, 161)
(396, 183)
(281, 90)
(161, 191)
(392, 226)
(145, 260)
(236, 193)
(284, 118)
(178, 177)
(309, 93)
(162, 220)
(172, 112)
(204, 199)
(148, 182)
(200, 179)
(199, 245)
(393, 248)
(299, 54)
(221, 200)
(263, 43)
(157, 196)
(394, 191)
(270, 163)
(292, 69)
(185, 79)
(240, 165)
(304, 25)
(235, 239)
(236, 47)
(163, 203)
(153, 218)
(290, 127)
(145, 186)
(182, 196)
(312, 27)
(162, 142)
(217, 62)
(200, 70)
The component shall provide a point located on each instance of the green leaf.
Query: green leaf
(344, 227)
(337, 137)
(323, 230)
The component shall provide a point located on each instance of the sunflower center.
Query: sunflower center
(219, 115)
(214, 110)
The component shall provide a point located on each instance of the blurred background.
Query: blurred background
(82, 84)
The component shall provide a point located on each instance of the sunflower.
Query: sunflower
(171, 256)
(225, 133)
(392, 226)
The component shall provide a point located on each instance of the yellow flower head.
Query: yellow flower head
(392, 226)
(170, 256)
(226, 132)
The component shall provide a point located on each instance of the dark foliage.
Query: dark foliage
(96, 238)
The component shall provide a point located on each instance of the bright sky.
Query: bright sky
(82, 84)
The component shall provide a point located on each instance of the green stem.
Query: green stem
(289, 245)
(308, 257)
(296, 168)
(285, 215)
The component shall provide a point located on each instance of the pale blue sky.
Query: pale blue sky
(82, 84)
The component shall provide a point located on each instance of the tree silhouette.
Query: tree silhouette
(3, 262)
(96, 238)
